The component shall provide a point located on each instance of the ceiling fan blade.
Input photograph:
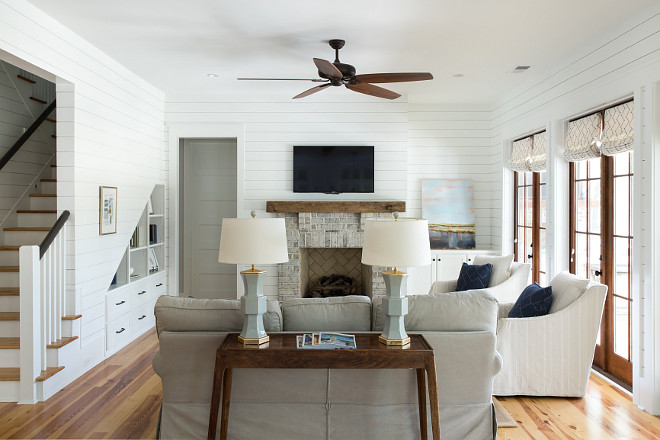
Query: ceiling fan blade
(393, 77)
(283, 79)
(327, 68)
(311, 91)
(372, 90)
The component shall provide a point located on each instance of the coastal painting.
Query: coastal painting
(448, 205)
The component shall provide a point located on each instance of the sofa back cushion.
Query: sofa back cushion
(342, 313)
(180, 314)
(470, 310)
(501, 267)
(566, 288)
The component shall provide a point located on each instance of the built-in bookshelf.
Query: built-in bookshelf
(145, 254)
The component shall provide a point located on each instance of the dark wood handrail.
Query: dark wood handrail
(25, 136)
(57, 227)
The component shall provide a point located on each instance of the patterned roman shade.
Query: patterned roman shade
(537, 159)
(618, 129)
(582, 137)
(528, 154)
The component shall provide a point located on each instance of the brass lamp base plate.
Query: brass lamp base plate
(399, 342)
(253, 341)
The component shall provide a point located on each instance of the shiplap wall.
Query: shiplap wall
(17, 113)
(453, 142)
(110, 132)
(273, 125)
(624, 63)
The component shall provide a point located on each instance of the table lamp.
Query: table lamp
(253, 241)
(396, 242)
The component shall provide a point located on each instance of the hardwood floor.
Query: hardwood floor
(120, 398)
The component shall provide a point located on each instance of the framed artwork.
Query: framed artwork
(448, 205)
(107, 210)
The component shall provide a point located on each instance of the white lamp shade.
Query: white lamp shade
(253, 241)
(396, 243)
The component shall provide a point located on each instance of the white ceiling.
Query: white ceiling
(174, 44)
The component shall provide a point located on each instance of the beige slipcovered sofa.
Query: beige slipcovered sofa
(329, 404)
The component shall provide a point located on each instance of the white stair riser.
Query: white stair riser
(9, 358)
(8, 258)
(36, 220)
(48, 187)
(9, 391)
(71, 328)
(20, 238)
(43, 203)
(8, 279)
(9, 329)
(10, 304)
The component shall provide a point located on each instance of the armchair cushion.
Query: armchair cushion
(533, 301)
(501, 266)
(473, 276)
(566, 288)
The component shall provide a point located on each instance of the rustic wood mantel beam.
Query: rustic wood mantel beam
(354, 207)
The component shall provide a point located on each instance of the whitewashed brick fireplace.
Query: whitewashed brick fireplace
(327, 230)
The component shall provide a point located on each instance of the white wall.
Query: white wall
(110, 132)
(622, 64)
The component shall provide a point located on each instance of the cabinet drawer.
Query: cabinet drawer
(158, 286)
(142, 319)
(117, 333)
(118, 303)
(140, 293)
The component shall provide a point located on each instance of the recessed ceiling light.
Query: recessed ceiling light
(520, 69)
(458, 75)
(212, 75)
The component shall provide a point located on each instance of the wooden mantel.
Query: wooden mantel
(354, 207)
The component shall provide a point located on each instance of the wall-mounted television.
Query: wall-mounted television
(333, 170)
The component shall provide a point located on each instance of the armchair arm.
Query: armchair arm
(550, 355)
(443, 286)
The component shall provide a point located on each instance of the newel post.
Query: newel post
(30, 324)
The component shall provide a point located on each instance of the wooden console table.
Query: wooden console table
(281, 352)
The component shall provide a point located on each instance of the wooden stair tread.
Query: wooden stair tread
(50, 120)
(10, 291)
(53, 166)
(48, 180)
(27, 229)
(40, 101)
(48, 373)
(9, 248)
(10, 316)
(8, 268)
(43, 195)
(71, 317)
(26, 79)
(10, 343)
(10, 374)
(62, 342)
(36, 211)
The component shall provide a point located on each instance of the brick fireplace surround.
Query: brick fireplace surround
(326, 230)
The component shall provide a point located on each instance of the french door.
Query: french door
(601, 249)
(529, 235)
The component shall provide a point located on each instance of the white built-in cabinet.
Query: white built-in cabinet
(444, 265)
(140, 278)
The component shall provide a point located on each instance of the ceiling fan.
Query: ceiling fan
(338, 74)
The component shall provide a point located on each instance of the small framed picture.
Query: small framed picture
(107, 210)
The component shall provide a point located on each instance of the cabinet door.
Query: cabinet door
(420, 279)
(447, 267)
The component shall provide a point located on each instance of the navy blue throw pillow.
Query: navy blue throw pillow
(473, 276)
(533, 301)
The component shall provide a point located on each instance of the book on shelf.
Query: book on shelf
(326, 340)
(135, 239)
(153, 234)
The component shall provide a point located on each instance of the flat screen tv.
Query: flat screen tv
(333, 170)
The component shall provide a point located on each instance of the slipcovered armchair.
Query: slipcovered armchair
(551, 355)
(505, 292)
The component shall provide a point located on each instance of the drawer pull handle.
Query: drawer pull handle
(159, 284)
(142, 317)
(120, 331)
(120, 303)
(142, 293)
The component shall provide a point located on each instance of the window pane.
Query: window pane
(581, 169)
(528, 206)
(594, 168)
(581, 206)
(541, 251)
(581, 255)
(542, 177)
(528, 244)
(594, 206)
(544, 203)
(594, 257)
(621, 252)
(520, 245)
(521, 206)
(621, 163)
(621, 205)
(621, 327)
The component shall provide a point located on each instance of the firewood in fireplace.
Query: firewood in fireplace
(334, 285)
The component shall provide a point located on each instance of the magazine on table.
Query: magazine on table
(326, 340)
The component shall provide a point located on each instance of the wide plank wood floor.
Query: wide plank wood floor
(120, 398)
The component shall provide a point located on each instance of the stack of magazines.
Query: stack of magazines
(327, 340)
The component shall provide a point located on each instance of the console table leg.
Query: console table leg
(421, 398)
(215, 399)
(433, 397)
(226, 396)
